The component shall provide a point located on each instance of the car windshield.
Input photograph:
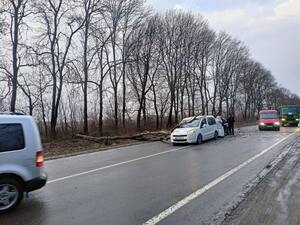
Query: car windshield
(268, 116)
(290, 110)
(193, 123)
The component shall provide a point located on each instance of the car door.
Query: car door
(204, 129)
(211, 127)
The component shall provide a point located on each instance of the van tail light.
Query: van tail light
(39, 159)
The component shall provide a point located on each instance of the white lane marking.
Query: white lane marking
(115, 165)
(210, 185)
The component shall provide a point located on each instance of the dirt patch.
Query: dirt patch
(73, 146)
(240, 124)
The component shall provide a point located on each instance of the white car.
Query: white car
(195, 130)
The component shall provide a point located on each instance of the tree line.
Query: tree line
(86, 65)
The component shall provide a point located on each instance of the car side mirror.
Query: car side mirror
(204, 125)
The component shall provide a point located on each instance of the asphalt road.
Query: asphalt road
(276, 199)
(133, 185)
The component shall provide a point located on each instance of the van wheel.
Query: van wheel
(11, 194)
(199, 139)
(216, 135)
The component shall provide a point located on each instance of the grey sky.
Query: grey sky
(271, 29)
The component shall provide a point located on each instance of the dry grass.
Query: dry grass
(245, 123)
(73, 146)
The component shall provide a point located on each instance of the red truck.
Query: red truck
(268, 119)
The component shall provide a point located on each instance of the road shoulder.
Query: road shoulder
(276, 199)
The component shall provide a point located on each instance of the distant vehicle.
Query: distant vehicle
(268, 119)
(21, 159)
(195, 130)
(289, 115)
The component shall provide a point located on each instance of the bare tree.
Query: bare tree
(176, 29)
(17, 11)
(144, 64)
(103, 68)
(90, 7)
(3, 23)
(121, 18)
(27, 89)
(134, 16)
(60, 24)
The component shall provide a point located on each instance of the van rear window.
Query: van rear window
(11, 137)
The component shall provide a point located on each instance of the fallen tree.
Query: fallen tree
(145, 136)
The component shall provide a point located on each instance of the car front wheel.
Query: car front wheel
(11, 194)
(199, 139)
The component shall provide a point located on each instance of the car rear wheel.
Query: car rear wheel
(199, 139)
(216, 135)
(11, 194)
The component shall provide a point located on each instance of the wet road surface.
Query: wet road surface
(133, 185)
(275, 200)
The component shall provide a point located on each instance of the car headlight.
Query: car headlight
(283, 119)
(262, 124)
(277, 123)
(297, 119)
(190, 132)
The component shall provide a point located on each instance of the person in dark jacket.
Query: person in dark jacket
(231, 122)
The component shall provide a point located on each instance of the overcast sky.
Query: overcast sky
(271, 28)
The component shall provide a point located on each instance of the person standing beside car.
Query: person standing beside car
(222, 121)
(231, 122)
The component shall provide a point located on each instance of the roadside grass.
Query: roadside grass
(73, 146)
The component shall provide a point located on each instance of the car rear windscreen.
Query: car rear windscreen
(11, 137)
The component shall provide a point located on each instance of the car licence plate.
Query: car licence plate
(179, 138)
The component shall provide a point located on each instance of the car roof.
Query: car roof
(290, 106)
(188, 118)
(14, 118)
(11, 113)
(268, 111)
(197, 117)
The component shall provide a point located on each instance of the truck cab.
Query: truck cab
(290, 115)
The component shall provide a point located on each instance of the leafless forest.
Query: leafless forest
(104, 66)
